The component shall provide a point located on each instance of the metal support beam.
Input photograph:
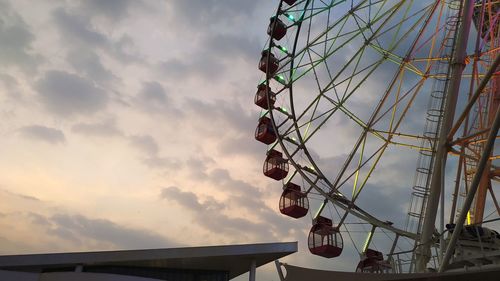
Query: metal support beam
(476, 95)
(280, 271)
(472, 191)
(485, 183)
(252, 272)
(494, 198)
(436, 185)
(394, 244)
(390, 256)
(79, 268)
(457, 185)
(369, 239)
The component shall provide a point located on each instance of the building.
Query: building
(213, 263)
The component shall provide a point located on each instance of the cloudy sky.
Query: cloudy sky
(129, 124)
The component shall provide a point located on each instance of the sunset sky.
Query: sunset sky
(129, 124)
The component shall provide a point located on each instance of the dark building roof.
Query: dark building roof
(295, 273)
(234, 259)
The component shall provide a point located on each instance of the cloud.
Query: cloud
(16, 40)
(201, 66)
(82, 228)
(13, 247)
(228, 115)
(217, 57)
(153, 98)
(157, 162)
(244, 195)
(39, 219)
(244, 144)
(229, 122)
(11, 85)
(8, 81)
(211, 12)
(154, 92)
(106, 128)
(89, 64)
(77, 28)
(113, 9)
(242, 213)
(199, 166)
(209, 215)
(224, 180)
(145, 143)
(49, 227)
(42, 133)
(219, 38)
(186, 199)
(19, 195)
(66, 94)
(229, 47)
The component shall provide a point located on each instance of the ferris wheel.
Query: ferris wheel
(363, 102)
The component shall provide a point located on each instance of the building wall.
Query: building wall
(18, 276)
(175, 275)
(67, 276)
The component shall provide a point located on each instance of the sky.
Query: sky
(129, 124)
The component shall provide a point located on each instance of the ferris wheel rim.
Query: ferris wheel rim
(309, 166)
(345, 203)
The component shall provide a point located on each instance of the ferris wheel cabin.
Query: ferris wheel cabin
(293, 201)
(325, 240)
(276, 28)
(273, 63)
(265, 132)
(275, 166)
(372, 261)
(261, 97)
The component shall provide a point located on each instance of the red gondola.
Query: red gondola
(290, 2)
(373, 262)
(324, 239)
(275, 166)
(265, 131)
(279, 30)
(261, 98)
(293, 201)
(273, 63)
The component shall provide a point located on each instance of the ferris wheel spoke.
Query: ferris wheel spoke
(312, 43)
(314, 11)
(292, 128)
(345, 204)
(370, 171)
(387, 52)
(311, 58)
(321, 59)
(385, 56)
(395, 29)
(331, 50)
(358, 143)
(361, 165)
(414, 90)
(380, 61)
(353, 117)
